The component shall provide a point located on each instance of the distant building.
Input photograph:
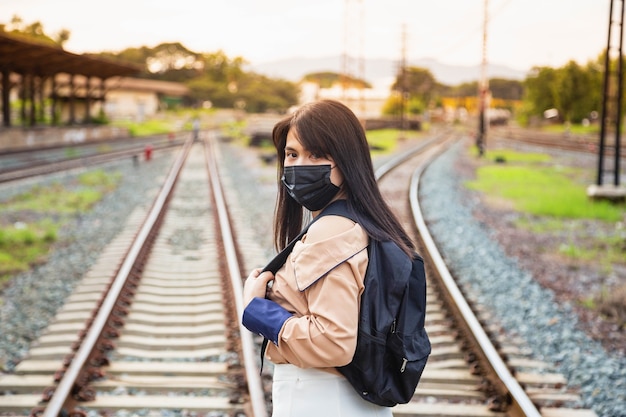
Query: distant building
(366, 103)
(137, 98)
(125, 98)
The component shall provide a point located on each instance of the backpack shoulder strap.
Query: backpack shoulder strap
(338, 208)
(280, 259)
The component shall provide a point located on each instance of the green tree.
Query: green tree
(571, 96)
(574, 90)
(417, 82)
(217, 79)
(168, 57)
(540, 90)
(595, 74)
(468, 89)
(328, 79)
(213, 77)
(261, 94)
(418, 86)
(136, 56)
(34, 31)
(505, 89)
(204, 88)
(393, 105)
(62, 36)
(499, 88)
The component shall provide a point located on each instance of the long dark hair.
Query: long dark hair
(331, 129)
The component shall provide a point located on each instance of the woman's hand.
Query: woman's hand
(256, 285)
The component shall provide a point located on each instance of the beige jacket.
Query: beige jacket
(321, 284)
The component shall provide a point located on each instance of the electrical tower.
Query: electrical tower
(611, 117)
(353, 61)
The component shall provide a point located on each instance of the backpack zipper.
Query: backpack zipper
(404, 360)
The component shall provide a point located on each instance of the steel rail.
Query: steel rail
(74, 163)
(257, 397)
(66, 384)
(521, 403)
(405, 156)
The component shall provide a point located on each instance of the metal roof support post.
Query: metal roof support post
(23, 98)
(88, 99)
(6, 94)
(72, 102)
(102, 97)
(41, 107)
(54, 117)
(31, 98)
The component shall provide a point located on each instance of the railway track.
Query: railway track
(159, 314)
(174, 344)
(21, 164)
(471, 371)
(561, 141)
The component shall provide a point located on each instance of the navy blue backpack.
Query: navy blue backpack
(392, 344)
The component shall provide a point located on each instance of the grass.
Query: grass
(603, 250)
(236, 131)
(380, 140)
(555, 201)
(385, 140)
(71, 153)
(531, 184)
(546, 225)
(54, 199)
(22, 245)
(100, 179)
(169, 121)
(146, 128)
(37, 214)
(603, 247)
(573, 128)
(511, 156)
(611, 304)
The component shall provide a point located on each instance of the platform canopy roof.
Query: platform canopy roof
(31, 57)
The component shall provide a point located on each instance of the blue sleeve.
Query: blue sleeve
(265, 317)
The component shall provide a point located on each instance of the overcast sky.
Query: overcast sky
(521, 33)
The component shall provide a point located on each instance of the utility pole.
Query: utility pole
(353, 66)
(403, 84)
(483, 90)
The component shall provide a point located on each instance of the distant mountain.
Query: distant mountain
(382, 71)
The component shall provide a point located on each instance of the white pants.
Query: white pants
(300, 392)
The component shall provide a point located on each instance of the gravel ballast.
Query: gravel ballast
(524, 308)
(32, 298)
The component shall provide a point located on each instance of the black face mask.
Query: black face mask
(310, 185)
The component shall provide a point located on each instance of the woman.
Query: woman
(310, 311)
